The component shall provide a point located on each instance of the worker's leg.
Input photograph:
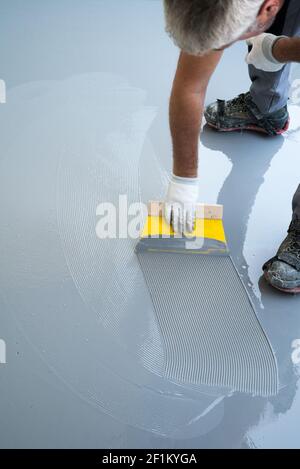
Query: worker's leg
(264, 107)
(270, 91)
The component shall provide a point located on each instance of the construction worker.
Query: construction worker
(203, 29)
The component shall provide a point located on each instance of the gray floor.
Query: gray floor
(86, 119)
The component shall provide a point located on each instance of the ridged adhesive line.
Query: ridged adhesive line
(211, 333)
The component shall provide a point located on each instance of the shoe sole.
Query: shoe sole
(250, 127)
(284, 290)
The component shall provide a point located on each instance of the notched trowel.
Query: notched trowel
(207, 238)
(209, 330)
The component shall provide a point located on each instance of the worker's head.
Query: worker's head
(199, 26)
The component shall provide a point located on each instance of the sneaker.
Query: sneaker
(241, 113)
(283, 270)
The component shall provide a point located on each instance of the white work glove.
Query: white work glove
(180, 204)
(261, 55)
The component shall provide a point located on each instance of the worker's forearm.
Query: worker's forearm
(287, 50)
(186, 112)
(186, 109)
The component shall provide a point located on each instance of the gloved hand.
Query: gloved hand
(261, 55)
(180, 203)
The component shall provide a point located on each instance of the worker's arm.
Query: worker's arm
(186, 109)
(186, 112)
(287, 50)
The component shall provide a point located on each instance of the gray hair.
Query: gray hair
(198, 26)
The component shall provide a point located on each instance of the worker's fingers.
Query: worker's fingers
(178, 218)
(181, 221)
(181, 218)
(175, 218)
(182, 193)
(190, 219)
(168, 213)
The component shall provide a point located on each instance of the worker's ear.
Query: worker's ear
(269, 10)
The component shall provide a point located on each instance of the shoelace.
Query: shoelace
(294, 246)
(238, 103)
(295, 227)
